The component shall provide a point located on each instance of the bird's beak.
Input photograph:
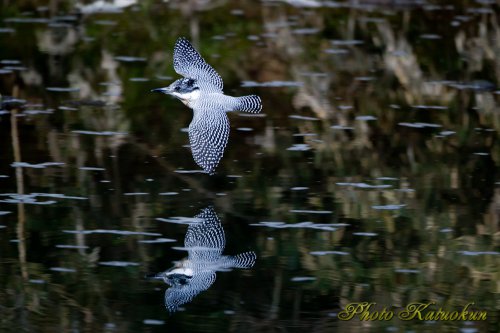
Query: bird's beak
(165, 90)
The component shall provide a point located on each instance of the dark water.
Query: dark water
(371, 176)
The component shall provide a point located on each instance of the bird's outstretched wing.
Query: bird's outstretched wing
(208, 136)
(205, 240)
(181, 294)
(189, 63)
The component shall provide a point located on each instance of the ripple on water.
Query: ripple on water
(419, 125)
(26, 20)
(407, 271)
(68, 246)
(307, 211)
(299, 117)
(112, 232)
(323, 253)
(302, 279)
(153, 322)
(468, 330)
(129, 59)
(37, 281)
(299, 225)
(91, 169)
(364, 78)
(341, 127)
(365, 234)
(305, 31)
(36, 165)
(430, 36)
(188, 171)
(37, 112)
(32, 198)
(15, 68)
(180, 220)
(106, 133)
(347, 42)
(58, 196)
(299, 147)
(7, 30)
(430, 107)
(138, 79)
(364, 185)
(62, 89)
(157, 241)
(336, 51)
(479, 85)
(163, 77)
(118, 263)
(67, 108)
(388, 207)
(273, 84)
(305, 134)
(446, 133)
(479, 253)
(63, 269)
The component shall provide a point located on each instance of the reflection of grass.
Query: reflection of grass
(451, 209)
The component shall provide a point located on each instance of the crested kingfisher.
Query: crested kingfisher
(201, 89)
(205, 242)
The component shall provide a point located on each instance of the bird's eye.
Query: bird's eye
(190, 82)
(177, 88)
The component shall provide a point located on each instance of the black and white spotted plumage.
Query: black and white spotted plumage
(189, 63)
(201, 89)
(208, 136)
(204, 241)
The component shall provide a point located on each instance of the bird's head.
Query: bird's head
(184, 89)
(180, 274)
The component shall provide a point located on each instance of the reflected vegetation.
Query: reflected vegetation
(372, 175)
(205, 242)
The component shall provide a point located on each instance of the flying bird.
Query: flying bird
(204, 242)
(201, 89)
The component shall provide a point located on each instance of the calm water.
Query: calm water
(372, 174)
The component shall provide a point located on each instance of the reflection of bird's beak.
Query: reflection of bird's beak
(165, 90)
(154, 276)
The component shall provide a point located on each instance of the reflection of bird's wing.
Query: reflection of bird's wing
(189, 63)
(181, 294)
(208, 136)
(205, 240)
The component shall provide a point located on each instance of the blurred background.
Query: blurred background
(371, 175)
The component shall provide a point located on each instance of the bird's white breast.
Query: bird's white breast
(190, 98)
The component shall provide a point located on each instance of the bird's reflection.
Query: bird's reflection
(204, 242)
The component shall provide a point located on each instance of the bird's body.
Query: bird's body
(201, 89)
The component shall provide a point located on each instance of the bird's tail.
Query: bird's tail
(244, 260)
(250, 103)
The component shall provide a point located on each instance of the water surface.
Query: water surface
(370, 176)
